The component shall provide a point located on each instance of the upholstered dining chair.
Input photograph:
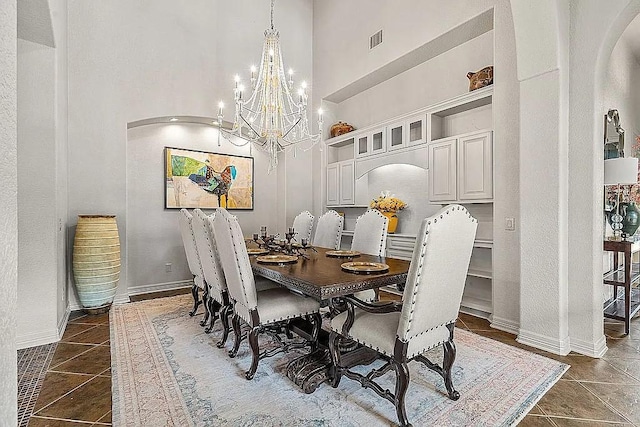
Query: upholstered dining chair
(329, 230)
(268, 310)
(433, 292)
(303, 224)
(370, 237)
(217, 298)
(193, 260)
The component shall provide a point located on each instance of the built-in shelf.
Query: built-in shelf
(347, 206)
(483, 274)
(482, 243)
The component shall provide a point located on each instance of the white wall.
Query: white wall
(42, 124)
(341, 56)
(8, 213)
(153, 237)
(37, 253)
(419, 86)
(135, 60)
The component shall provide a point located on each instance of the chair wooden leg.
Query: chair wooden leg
(255, 350)
(316, 322)
(447, 362)
(214, 314)
(224, 318)
(237, 335)
(402, 383)
(207, 310)
(335, 372)
(196, 300)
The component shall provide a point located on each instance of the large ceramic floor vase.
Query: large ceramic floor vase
(96, 261)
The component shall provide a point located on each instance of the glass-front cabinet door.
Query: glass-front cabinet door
(397, 136)
(416, 130)
(378, 141)
(362, 146)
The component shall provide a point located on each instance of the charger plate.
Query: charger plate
(257, 251)
(365, 267)
(343, 254)
(277, 259)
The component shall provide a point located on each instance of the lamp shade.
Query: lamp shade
(623, 170)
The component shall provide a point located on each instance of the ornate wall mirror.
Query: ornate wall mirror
(613, 136)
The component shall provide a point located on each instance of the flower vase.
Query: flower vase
(630, 218)
(393, 221)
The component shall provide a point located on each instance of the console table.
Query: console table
(623, 307)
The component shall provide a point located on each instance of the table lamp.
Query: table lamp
(619, 171)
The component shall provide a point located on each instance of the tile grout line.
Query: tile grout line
(66, 394)
(613, 423)
(611, 408)
(70, 421)
(81, 332)
(53, 368)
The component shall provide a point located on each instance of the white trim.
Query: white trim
(36, 338)
(506, 325)
(543, 342)
(157, 287)
(62, 324)
(474, 312)
(597, 349)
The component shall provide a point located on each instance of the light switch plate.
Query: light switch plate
(510, 224)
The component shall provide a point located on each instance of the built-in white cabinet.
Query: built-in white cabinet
(363, 145)
(341, 183)
(346, 178)
(396, 136)
(378, 141)
(416, 130)
(333, 185)
(443, 170)
(461, 168)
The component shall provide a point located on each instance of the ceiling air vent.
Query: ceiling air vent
(375, 39)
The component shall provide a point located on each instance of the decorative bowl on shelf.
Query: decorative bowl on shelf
(340, 128)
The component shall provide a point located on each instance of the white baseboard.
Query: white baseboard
(36, 338)
(597, 349)
(543, 342)
(62, 325)
(505, 325)
(158, 287)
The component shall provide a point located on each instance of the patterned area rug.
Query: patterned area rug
(167, 371)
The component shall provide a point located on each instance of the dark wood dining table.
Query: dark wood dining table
(321, 277)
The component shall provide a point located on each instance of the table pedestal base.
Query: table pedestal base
(310, 370)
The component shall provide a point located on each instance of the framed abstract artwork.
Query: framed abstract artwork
(199, 179)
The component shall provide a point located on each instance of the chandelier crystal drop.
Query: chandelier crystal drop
(272, 117)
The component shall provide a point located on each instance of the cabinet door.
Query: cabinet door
(378, 141)
(442, 170)
(363, 146)
(347, 182)
(332, 185)
(397, 136)
(416, 130)
(475, 167)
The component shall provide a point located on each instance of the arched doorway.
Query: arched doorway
(561, 80)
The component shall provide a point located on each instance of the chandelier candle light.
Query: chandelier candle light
(271, 117)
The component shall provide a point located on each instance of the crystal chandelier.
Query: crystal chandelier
(271, 118)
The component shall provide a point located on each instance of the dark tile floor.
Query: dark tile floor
(594, 392)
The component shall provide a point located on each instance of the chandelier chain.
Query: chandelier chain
(272, 4)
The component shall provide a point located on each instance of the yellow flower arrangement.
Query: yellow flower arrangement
(387, 203)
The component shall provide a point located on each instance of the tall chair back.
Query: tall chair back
(329, 230)
(234, 259)
(189, 242)
(438, 271)
(370, 234)
(303, 224)
(208, 254)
